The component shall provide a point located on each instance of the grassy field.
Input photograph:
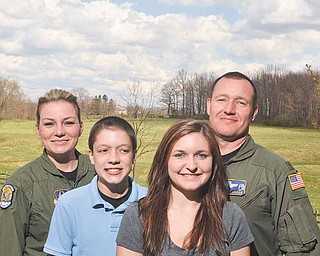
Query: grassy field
(19, 144)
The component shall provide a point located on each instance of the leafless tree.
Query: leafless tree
(101, 105)
(188, 93)
(11, 97)
(170, 93)
(314, 101)
(140, 104)
(315, 77)
(201, 84)
(83, 99)
(269, 83)
(181, 80)
(287, 98)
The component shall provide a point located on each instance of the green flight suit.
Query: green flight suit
(280, 217)
(26, 212)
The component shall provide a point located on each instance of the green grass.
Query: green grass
(19, 145)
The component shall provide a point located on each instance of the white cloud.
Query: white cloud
(279, 12)
(99, 45)
(289, 11)
(266, 49)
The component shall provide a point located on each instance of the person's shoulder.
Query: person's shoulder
(26, 175)
(270, 159)
(141, 189)
(132, 211)
(83, 157)
(85, 162)
(72, 198)
(261, 153)
(133, 208)
(76, 194)
(31, 166)
(232, 213)
(231, 207)
(269, 154)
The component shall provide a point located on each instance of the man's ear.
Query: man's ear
(208, 106)
(255, 113)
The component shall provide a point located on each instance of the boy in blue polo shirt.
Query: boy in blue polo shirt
(86, 220)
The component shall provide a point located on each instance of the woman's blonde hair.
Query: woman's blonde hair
(58, 95)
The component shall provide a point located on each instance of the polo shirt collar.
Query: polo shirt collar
(97, 202)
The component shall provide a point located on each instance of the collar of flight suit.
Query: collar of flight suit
(247, 150)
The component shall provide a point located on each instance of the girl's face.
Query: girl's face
(59, 128)
(112, 156)
(190, 163)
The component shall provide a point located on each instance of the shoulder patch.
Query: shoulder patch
(237, 187)
(6, 196)
(296, 181)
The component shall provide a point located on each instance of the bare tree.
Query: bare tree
(181, 80)
(95, 105)
(112, 107)
(270, 87)
(202, 84)
(83, 99)
(314, 100)
(188, 93)
(315, 78)
(104, 105)
(287, 98)
(169, 97)
(11, 96)
(140, 104)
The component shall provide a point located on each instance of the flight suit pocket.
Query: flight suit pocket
(295, 232)
(257, 200)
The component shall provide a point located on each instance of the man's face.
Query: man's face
(231, 109)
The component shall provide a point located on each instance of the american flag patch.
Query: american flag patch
(296, 181)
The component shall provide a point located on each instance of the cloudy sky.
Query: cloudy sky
(101, 45)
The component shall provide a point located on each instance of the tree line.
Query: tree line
(15, 104)
(285, 98)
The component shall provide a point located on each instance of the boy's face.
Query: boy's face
(112, 156)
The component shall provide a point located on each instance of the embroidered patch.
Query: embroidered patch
(237, 187)
(296, 181)
(57, 194)
(6, 196)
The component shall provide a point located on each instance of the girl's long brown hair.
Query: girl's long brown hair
(208, 230)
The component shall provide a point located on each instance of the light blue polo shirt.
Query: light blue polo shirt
(84, 224)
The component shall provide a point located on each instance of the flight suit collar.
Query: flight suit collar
(246, 151)
(49, 166)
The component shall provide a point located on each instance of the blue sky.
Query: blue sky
(158, 8)
(102, 45)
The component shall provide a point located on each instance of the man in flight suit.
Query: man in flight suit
(267, 187)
